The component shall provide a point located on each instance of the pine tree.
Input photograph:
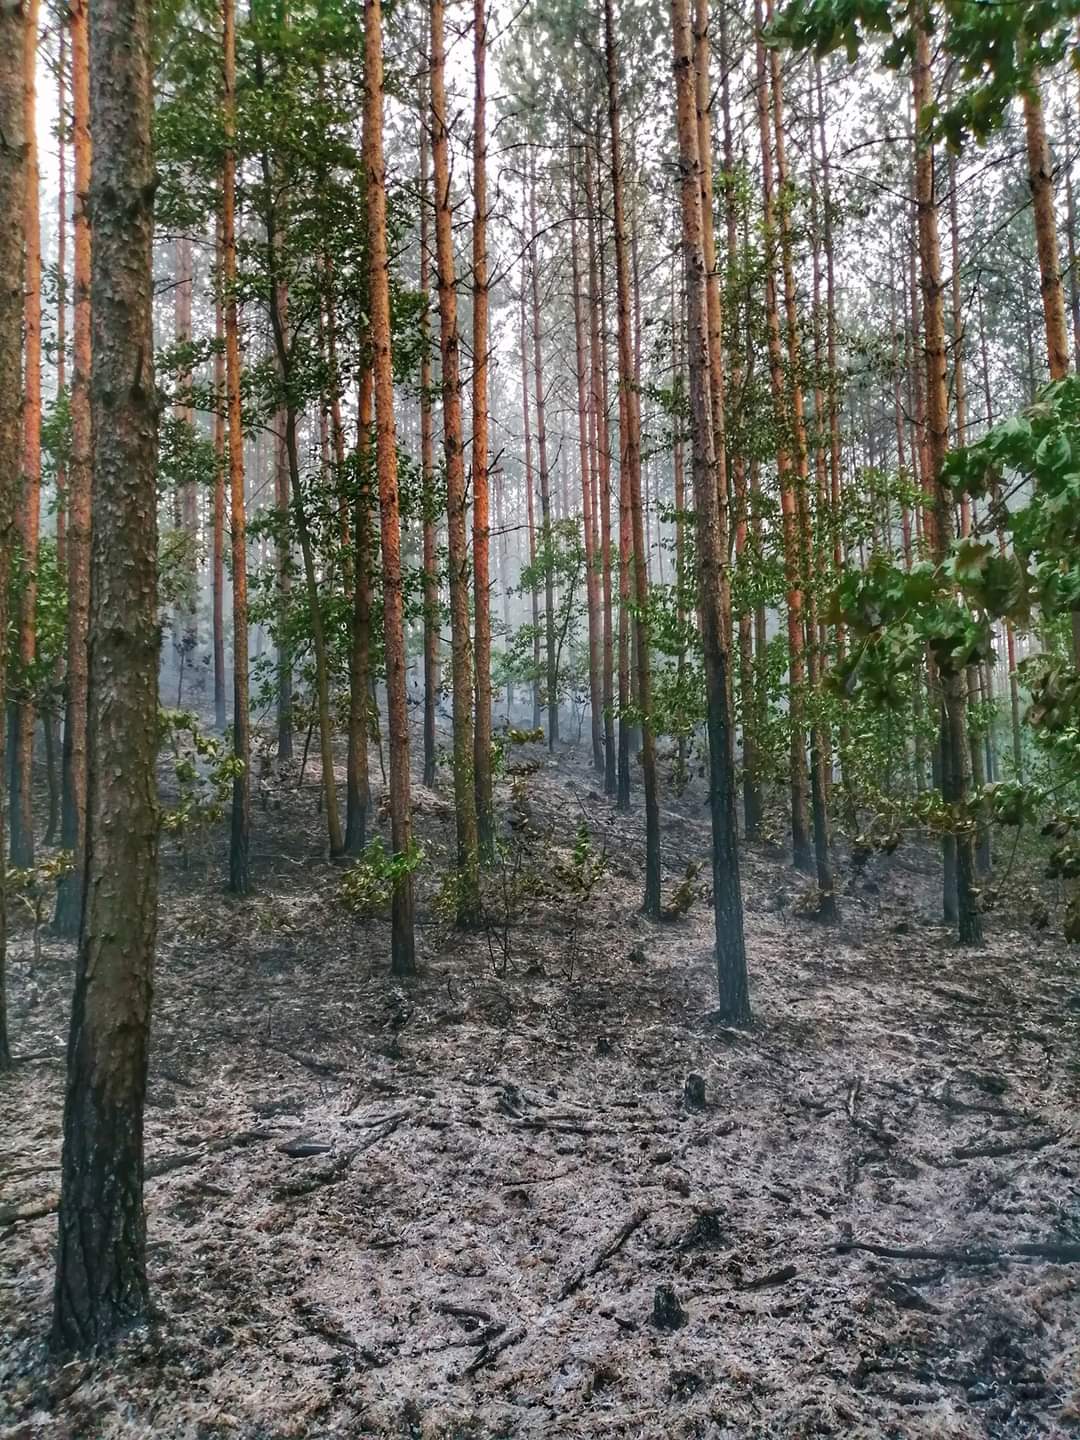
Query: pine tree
(101, 1283)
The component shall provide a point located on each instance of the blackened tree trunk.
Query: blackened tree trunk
(73, 800)
(630, 477)
(101, 1285)
(240, 837)
(552, 684)
(955, 757)
(402, 943)
(22, 813)
(12, 197)
(357, 787)
(427, 476)
(481, 533)
(727, 893)
(461, 660)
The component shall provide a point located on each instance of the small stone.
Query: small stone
(667, 1313)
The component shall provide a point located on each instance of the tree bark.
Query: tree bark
(402, 945)
(240, 838)
(597, 379)
(220, 465)
(630, 480)
(21, 807)
(592, 591)
(101, 1284)
(73, 800)
(727, 895)
(357, 786)
(546, 542)
(799, 779)
(12, 203)
(427, 476)
(827, 906)
(955, 755)
(485, 818)
(461, 660)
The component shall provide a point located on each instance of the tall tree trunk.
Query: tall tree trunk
(217, 561)
(955, 754)
(546, 539)
(101, 1285)
(800, 809)
(591, 587)
(751, 784)
(630, 480)
(485, 818)
(22, 812)
(1041, 183)
(703, 101)
(597, 380)
(403, 952)
(62, 70)
(827, 907)
(73, 801)
(530, 518)
(1070, 239)
(12, 204)
(727, 895)
(461, 660)
(427, 475)
(357, 787)
(188, 513)
(240, 838)
(282, 556)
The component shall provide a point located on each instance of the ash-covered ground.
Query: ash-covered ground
(486, 1203)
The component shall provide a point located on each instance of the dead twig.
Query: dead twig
(991, 1148)
(1056, 1251)
(613, 1246)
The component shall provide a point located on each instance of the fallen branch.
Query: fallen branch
(1062, 1254)
(490, 1352)
(613, 1246)
(993, 1148)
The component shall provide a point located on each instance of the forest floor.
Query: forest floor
(445, 1207)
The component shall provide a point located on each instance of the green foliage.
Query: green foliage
(204, 768)
(586, 866)
(367, 887)
(998, 49)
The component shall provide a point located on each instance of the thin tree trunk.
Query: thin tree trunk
(357, 786)
(630, 481)
(22, 813)
(461, 660)
(403, 950)
(73, 800)
(485, 818)
(597, 373)
(591, 578)
(220, 466)
(530, 518)
(827, 906)
(799, 780)
(12, 204)
(546, 540)
(240, 841)
(427, 475)
(727, 896)
(101, 1284)
(954, 730)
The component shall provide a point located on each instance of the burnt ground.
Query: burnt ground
(497, 1172)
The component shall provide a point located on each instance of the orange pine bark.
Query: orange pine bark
(403, 956)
